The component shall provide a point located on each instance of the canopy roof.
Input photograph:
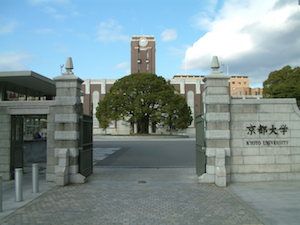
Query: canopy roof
(27, 82)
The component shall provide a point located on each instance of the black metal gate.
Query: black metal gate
(86, 146)
(200, 146)
(16, 147)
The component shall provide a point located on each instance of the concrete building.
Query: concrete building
(49, 128)
(93, 91)
(143, 54)
(190, 86)
(239, 86)
(25, 85)
(24, 133)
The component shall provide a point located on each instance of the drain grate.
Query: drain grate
(142, 182)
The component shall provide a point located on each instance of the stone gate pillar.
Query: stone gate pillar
(216, 100)
(67, 111)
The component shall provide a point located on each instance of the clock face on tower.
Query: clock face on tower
(143, 42)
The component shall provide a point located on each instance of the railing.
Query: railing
(200, 146)
(86, 146)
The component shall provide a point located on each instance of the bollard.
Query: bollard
(18, 184)
(1, 204)
(35, 178)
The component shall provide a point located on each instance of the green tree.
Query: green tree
(141, 99)
(177, 114)
(102, 114)
(283, 83)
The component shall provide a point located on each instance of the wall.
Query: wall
(248, 139)
(216, 101)
(8, 108)
(4, 142)
(265, 142)
(63, 128)
(35, 151)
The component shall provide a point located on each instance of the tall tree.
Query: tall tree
(177, 114)
(143, 98)
(283, 83)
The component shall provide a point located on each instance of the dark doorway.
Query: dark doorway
(28, 142)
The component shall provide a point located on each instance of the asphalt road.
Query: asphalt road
(149, 153)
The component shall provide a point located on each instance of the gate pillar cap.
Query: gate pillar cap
(68, 75)
(215, 65)
(69, 66)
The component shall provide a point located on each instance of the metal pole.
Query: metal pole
(1, 204)
(18, 184)
(35, 178)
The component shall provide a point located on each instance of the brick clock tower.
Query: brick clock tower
(143, 54)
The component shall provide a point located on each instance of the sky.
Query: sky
(251, 37)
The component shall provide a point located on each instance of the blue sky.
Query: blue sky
(39, 35)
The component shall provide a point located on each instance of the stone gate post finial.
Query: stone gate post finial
(69, 66)
(215, 65)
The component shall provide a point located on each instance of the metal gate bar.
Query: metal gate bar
(86, 146)
(200, 146)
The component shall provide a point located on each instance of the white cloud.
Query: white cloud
(177, 51)
(13, 60)
(204, 18)
(62, 48)
(169, 35)
(44, 31)
(122, 65)
(57, 9)
(56, 14)
(8, 27)
(58, 2)
(110, 31)
(252, 37)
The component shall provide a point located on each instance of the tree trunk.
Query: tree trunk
(131, 127)
(142, 125)
(153, 127)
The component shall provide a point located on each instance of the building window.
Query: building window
(35, 127)
(95, 100)
(191, 104)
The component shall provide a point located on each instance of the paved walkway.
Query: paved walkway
(136, 196)
(9, 203)
(277, 203)
(151, 196)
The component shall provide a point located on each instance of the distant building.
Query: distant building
(240, 87)
(143, 54)
(257, 91)
(143, 61)
(189, 86)
(93, 91)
